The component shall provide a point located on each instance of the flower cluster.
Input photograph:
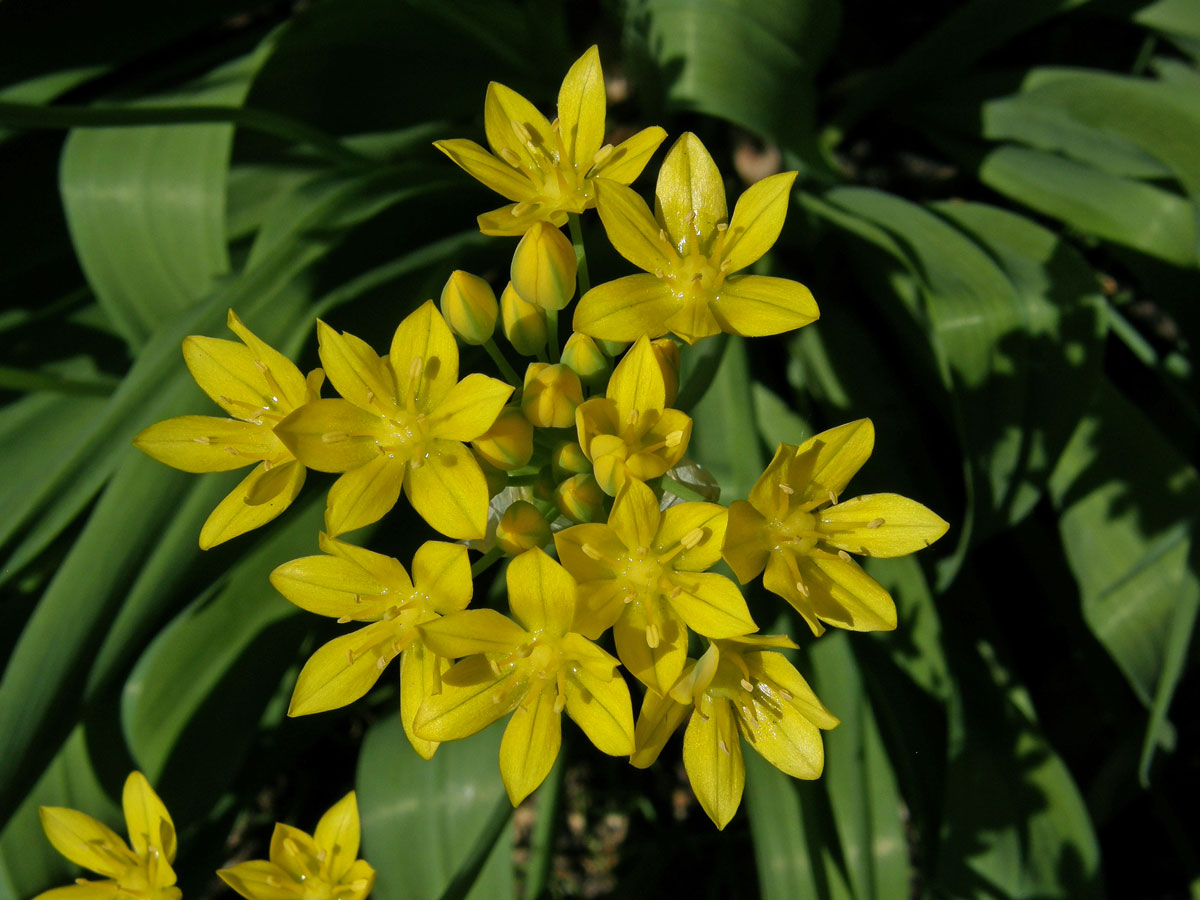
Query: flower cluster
(574, 457)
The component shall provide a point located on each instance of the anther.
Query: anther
(875, 523)
(414, 368)
(692, 538)
(845, 557)
(509, 155)
(632, 418)
(494, 666)
(344, 619)
(381, 663)
(747, 686)
(591, 552)
(787, 489)
(724, 746)
(802, 588)
(658, 273)
(652, 636)
(676, 591)
(674, 438)
(721, 226)
(321, 854)
(334, 437)
(602, 155)
(260, 365)
(785, 695)
(662, 235)
(832, 497)
(523, 207)
(202, 440)
(559, 702)
(370, 396)
(520, 131)
(725, 264)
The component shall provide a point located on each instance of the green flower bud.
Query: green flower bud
(568, 460)
(612, 348)
(508, 444)
(551, 395)
(522, 528)
(586, 360)
(469, 307)
(580, 499)
(543, 267)
(524, 323)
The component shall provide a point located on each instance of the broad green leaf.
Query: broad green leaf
(437, 811)
(781, 845)
(725, 435)
(1129, 501)
(778, 423)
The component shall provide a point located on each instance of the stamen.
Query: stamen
(559, 702)
(674, 438)
(417, 462)
(321, 854)
(875, 523)
(747, 686)
(724, 746)
(785, 695)
(725, 264)
(591, 552)
(662, 235)
(787, 488)
(510, 156)
(334, 437)
(344, 619)
(349, 656)
(272, 880)
(653, 637)
(602, 155)
(381, 663)
(202, 440)
(658, 273)
(692, 538)
(802, 588)
(675, 592)
(520, 131)
(494, 666)
(523, 207)
(832, 497)
(845, 557)
(370, 396)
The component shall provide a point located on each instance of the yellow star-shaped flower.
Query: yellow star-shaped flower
(629, 432)
(402, 422)
(258, 386)
(549, 169)
(691, 250)
(795, 528)
(139, 870)
(320, 866)
(738, 685)
(644, 575)
(534, 667)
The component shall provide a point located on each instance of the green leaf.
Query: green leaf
(725, 434)
(778, 423)
(437, 811)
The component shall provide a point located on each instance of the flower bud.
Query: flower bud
(543, 267)
(522, 528)
(551, 395)
(586, 360)
(568, 460)
(580, 499)
(524, 323)
(497, 479)
(612, 348)
(469, 307)
(666, 351)
(508, 444)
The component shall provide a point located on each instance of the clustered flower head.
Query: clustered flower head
(581, 454)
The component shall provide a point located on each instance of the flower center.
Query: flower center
(409, 434)
(545, 660)
(797, 530)
(640, 572)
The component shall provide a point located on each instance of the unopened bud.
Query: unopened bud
(612, 348)
(524, 323)
(568, 460)
(497, 479)
(666, 351)
(551, 395)
(543, 267)
(586, 360)
(580, 499)
(508, 444)
(469, 307)
(522, 528)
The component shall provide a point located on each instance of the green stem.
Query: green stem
(585, 282)
(485, 562)
(466, 876)
(509, 373)
(552, 334)
(35, 116)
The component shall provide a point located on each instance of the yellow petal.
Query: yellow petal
(656, 667)
(631, 228)
(82, 890)
(838, 593)
(659, 717)
(493, 172)
(294, 851)
(277, 370)
(629, 157)
(690, 195)
(326, 585)
(544, 267)
(357, 882)
(786, 740)
(149, 824)
(712, 605)
(442, 572)
(236, 514)
(602, 708)
(693, 321)
(471, 699)
(355, 370)
(337, 835)
(746, 546)
(343, 670)
(773, 491)
(541, 593)
(635, 516)
(670, 434)
(530, 744)
(598, 607)
(712, 756)
(776, 667)
(637, 384)
(514, 220)
(883, 525)
(332, 435)
(504, 108)
(592, 417)
(208, 444)
(591, 564)
(469, 409)
(784, 579)
(680, 524)
(86, 842)
(472, 631)
(230, 374)
(386, 570)
(421, 673)
(826, 462)
(581, 653)
(581, 108)
(626, 309)
(449, 491)
(756, 305)
(757, 220)
(364, 495)
(424, 357)
(258, 879)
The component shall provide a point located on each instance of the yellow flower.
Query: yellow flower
(139, 870)
(629, 433)
(258, 387)
(402, 423)
(738, 685)
(644, 575)
(357, 585)
(320, 866)
(549, 169)
(534, 667)
(691, 255)
(795, 528)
